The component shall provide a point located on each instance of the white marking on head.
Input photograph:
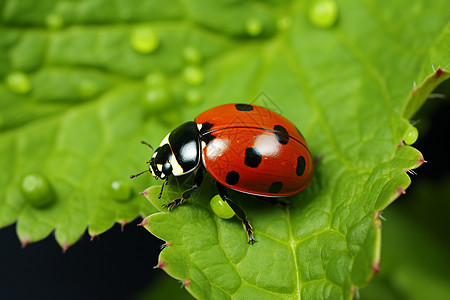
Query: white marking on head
(159, 166)
(199, 126)
(151, 171)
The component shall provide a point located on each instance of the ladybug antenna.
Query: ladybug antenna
(132, 176)
(145, 143)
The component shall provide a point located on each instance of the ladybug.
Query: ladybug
(246, 148)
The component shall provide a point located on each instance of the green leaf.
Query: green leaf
(415, 223)
(84, 81)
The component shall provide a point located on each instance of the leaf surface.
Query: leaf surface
(93, 78)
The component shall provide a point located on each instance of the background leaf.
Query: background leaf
(80, 89)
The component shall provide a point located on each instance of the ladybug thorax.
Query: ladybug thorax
(178, 153)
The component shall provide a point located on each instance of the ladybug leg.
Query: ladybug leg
(187, 193)
(162, 187)
(240, 213)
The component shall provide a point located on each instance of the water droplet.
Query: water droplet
(194, 97)
(54, 21)
(37, 190)
(121, 190)
(155, 79)
(253, 27)
(323, 13)
(284, 22)
(221, 208)
(18, 82)
(411, 135)
(157, 98)
(192, 55)
(193, 75)
(144, 39)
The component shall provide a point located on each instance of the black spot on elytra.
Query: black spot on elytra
(301, 165)
(281, 134)
(275, 187)
(252, 157)
(232, 177)
(244, 107)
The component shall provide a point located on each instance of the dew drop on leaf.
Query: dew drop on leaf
(284, 22)
(155, 79)
(221, 208)
(156, 98)
(193, 75)
(193, 97)
(253, 27)
(18, 82)
(120, 190)
(144, 39)
(37, 190)
(192, 55)
(54, 21)
(323, 13)
(411, 135)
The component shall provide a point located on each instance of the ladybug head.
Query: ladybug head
(159, 164)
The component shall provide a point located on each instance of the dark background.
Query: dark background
(115, 265)
(119, 263)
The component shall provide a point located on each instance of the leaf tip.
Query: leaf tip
(144, 222)
(166, 244)
(93, 235)
(400, 191)
(186, 282)
(377, 218)
(421, 160)
(438, 72)
(161, 264)
(25, 241)
(144, 192)
(375, 268)
(352, 290)
(122, 224)
(64, 246)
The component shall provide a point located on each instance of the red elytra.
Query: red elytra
(255, 150)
